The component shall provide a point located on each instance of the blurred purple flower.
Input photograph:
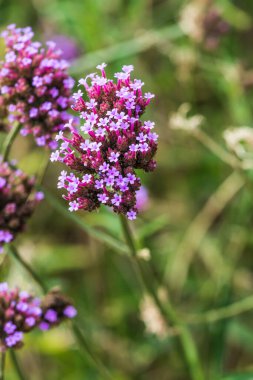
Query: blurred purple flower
(67, 45)
(142, 199)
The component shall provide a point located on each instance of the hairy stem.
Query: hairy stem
(167, 310)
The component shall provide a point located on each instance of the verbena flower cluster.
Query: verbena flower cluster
(34, 86)
(112, 144)
(56, 307)
(17, 201)
(20, 313)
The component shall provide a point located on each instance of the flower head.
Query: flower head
(34, 86)
(17, 201)
(20, 312)
(112, 144)
(56, 307)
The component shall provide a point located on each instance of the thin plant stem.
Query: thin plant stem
(2, 365)
(132, 248)
(229, 311)
(216, 149)
(17, 366)
(9, 141)
(42, 170)
(225, 156)
(198, 228)
(28, 268)
(76, 330)
(168, 312)
(83, 342)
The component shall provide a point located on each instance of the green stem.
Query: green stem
(42, 170)
(9, 141)
(168, 312)
(17, 366)
(28, 268)
(229, 311)
(83, 342)
(225, 156)
(76, 330)
(216, 149)
(134, 259)
(2, 365)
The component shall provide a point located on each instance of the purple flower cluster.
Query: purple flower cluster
(34, 86)
(17, 201)
(56, 307)
(20, 313)
(112, 144)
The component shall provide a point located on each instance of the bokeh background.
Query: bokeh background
(197, 223)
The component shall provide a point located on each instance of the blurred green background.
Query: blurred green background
(198, 222)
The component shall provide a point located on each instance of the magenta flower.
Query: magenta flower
(112, 143)
(17, 201)
(34, 86)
